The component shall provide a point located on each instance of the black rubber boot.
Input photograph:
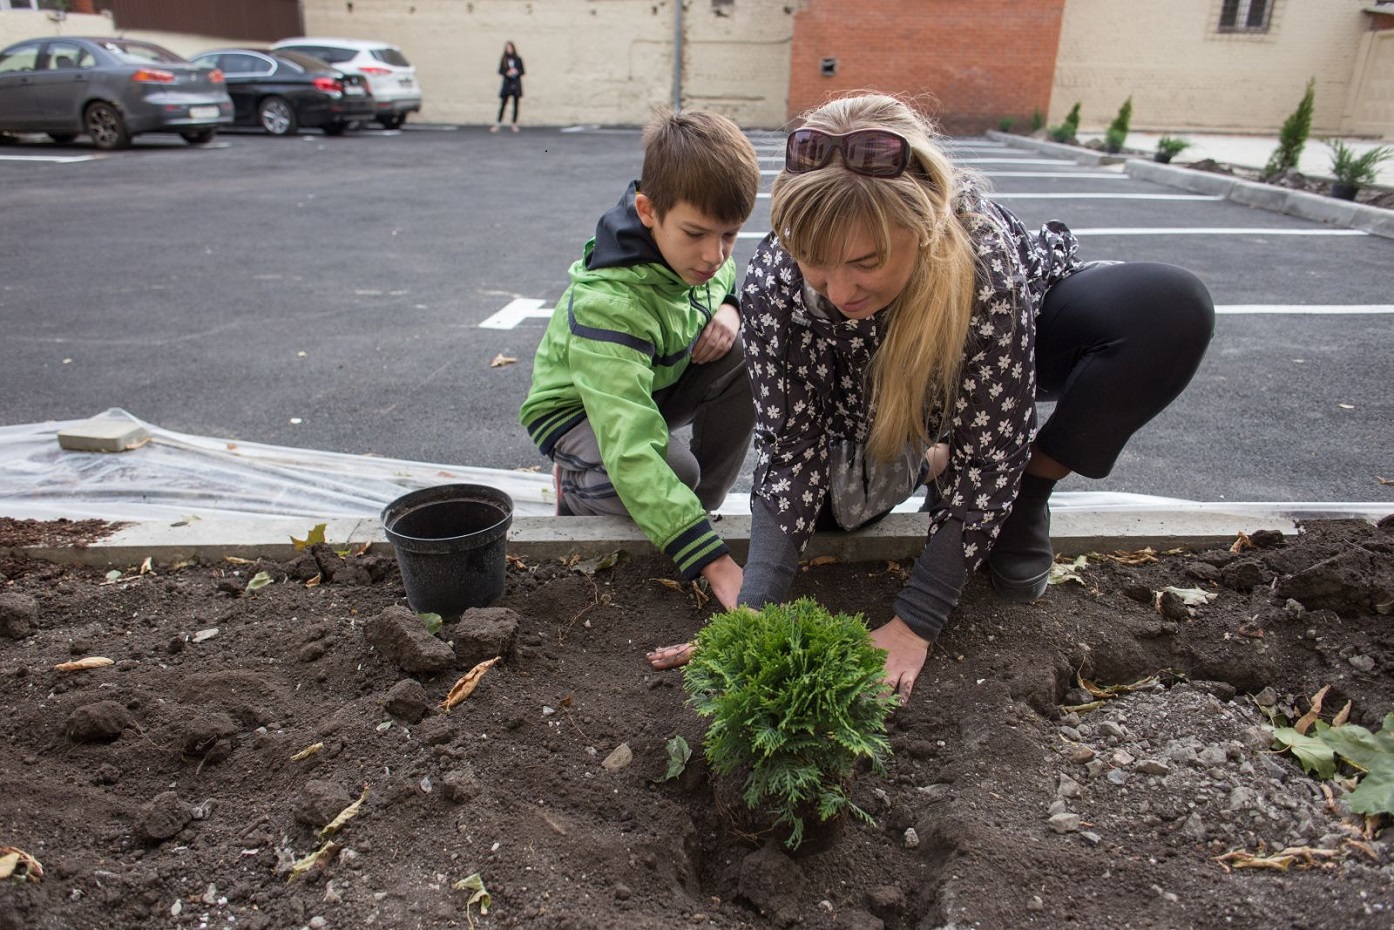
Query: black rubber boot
(1021, 556)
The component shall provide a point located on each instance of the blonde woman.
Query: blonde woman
(899, 327)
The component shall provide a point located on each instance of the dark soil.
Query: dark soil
(167, 789)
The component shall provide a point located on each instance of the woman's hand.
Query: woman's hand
(718, 336)
(905, 655)
(725, 577)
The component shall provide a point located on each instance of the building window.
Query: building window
(61, 6)
(1245, 15)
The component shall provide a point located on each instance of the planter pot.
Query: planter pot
(449, 542)
(1344, 191)
(1163, 157)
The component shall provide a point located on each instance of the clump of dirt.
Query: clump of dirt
(51, 533)
(180, 784)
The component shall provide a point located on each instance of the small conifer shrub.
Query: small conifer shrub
(1069, 129)
(1293, 136)
(797, 698)
(1117, 132)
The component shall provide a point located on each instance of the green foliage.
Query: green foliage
(1353, 169)
(797, 697)
(1171, 146)
(1372, 754)
(678, 755)
(432, 621)
(1117, 131)
(1037, 119)
(1005, 124)
(1069, 129)
(1293, 136)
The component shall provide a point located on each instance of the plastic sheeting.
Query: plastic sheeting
(176, 476)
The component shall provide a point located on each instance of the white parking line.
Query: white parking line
(1213, 231)
(1100, 175)
(1108, 195)
(1314, 309)
(517, 310)
(55, 159)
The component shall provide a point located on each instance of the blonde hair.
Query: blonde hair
(916, 369)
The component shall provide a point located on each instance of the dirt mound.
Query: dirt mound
(180, 784)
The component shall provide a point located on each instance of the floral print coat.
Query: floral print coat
(807, 368)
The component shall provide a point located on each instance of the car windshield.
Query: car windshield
(141, 53)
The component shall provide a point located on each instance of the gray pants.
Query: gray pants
(714, 398)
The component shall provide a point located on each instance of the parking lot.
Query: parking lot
(351, 294)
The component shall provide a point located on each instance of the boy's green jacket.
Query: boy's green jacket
(623, 330)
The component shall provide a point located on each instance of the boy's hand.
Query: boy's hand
(718, 336)
(905, 655)
(725, 577)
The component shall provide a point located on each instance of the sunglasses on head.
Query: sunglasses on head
(876, 153)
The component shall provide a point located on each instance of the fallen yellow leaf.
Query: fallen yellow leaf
(307, 752)
(467, 683)
(82, 665)
(345, 815)
(11, 857)
(500, 360)
(323, 854)
(824, 560)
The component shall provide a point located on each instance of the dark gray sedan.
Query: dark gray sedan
(111, 89)
(283, 92)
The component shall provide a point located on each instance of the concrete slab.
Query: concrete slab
(899, 536)
(103, 435)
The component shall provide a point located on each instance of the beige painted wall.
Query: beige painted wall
(588, 61)
(1184, 75)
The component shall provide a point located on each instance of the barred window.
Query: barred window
(1245, 15)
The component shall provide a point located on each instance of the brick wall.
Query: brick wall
(980, 60)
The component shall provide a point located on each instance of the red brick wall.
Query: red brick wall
(982, 60)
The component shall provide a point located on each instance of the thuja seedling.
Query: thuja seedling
(796, 697)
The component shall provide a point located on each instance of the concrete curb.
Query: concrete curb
(1343, 214)
(899, 536)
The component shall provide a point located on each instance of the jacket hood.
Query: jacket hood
(621, 239)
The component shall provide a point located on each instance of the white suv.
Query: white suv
(391, 78)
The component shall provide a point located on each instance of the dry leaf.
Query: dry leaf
(82, 665)
(145, 566)
(670, 583)
(1384, 480)
(237, 560)
(1241, 542)
(307, 752)
(321, 855)
(12, 857)
(1311, 716)
(824, 560)
(1135, 557)
(466, 685)
(1340, 719)
(500, 360)
(700, 596)
(345, 816)
(315, 581)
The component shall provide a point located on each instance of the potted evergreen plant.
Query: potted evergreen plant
(797, 699)
(1067, 130)
(1352, 171)
(1168, 147)
(1117, 132)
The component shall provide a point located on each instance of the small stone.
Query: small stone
(18, 614)
(1362, 663)
(1090, 837)
(622, 893)
(1153, 767)
(1068, 788)
(621, 757)
(911, 839)
(1035, 903)
(202, 636)
(1122, 757)
(1117, 776)
(1064, 822)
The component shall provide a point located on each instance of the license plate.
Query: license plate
(404, 82)
(353, 90)
(203, 112)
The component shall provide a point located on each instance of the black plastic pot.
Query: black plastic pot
(1163, 157)
(1345, 191)
(450, 543)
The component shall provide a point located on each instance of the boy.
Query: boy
(646, 340)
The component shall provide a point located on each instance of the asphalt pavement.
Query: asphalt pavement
(353, 295)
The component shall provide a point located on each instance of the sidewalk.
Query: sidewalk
(1253, 151)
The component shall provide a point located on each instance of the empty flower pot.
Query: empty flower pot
(450, 545)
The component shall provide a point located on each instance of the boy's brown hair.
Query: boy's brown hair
(701, 158)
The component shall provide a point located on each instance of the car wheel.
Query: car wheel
(62, 138)
(277, 117)
(335, 129)
(392, 122)
(7, 139)
(199, 136)
(106, 126)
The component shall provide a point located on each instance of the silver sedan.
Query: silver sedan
(111, 89)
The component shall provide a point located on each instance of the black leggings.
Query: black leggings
(503, 102)
(1115, 344)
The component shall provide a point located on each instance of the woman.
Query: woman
(511, 67)
(899, 327)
